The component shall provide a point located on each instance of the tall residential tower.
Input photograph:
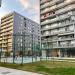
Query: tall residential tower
(18, 32)
(58, 27)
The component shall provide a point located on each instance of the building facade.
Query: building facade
(18, 33)
(58, 27)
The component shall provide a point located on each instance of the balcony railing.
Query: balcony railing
(50, 34)
(7, 26)
(58, 26)
(61, 33)
(72, 6)
(44, 1)
(7, 22)
(7, 18)
(67, 46)
(65, 39)
(55, 20)
(49, 4)
(65, 9)
(45, 5)
(66, 33)
(48, 9)
(57, 12)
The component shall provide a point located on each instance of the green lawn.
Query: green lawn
(46, 67)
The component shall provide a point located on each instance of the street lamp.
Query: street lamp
(47, 47)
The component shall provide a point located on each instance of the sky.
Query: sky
(27, 8)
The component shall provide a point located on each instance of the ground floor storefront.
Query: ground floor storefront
(61, 52)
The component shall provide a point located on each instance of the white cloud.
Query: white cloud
(3, 10)
(32, 7)
(30, 4)
(36, 19)
(25, 3)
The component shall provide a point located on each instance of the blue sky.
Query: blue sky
(28, 8)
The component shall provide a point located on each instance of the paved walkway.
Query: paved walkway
(7, 71)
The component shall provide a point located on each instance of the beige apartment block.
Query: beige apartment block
(6, 32)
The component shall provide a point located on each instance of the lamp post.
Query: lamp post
(23, 43)
(14, 36)
(47, 47)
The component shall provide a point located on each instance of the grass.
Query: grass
(45, 67)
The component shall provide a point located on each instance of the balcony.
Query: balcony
(4, 41)
(49, 4)
(50, 46)
(67, 46)
(8, 22)
(0, 38)
(66, 39)
(48, 9)
(44, 1)
(71, 7)
(6, 34)
(8, 29)
(10, 40)
(53, 7)
(4, 45)
(45, 5)
(65, 33)
(55, 20)
(7, 26)
(7, 18)
(57, 12)
(50, 40)
(50, 34)
(65, 3)
(10, 45)
(48, 16)
(55, 27)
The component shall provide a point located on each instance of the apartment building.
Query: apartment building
(58, 27)
(18, 33)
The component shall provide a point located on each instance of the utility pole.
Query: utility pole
(22, 47)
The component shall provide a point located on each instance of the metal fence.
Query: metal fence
(25, 49)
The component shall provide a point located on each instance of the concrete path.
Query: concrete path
(7, 71)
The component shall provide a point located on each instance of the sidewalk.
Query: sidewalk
(7, 71)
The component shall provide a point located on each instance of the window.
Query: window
(25, 24)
